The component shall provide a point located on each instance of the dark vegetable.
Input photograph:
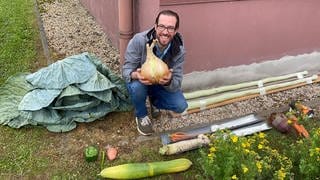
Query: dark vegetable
(91, 153)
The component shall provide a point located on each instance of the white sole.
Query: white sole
(142, 133)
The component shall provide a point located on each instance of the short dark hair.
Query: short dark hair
(169, 13)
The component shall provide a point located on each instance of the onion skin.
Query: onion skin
(154, 68)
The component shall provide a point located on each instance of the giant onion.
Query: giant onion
(154, 68)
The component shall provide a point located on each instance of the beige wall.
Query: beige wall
(223, 33)
(106, 14)
(145, 13)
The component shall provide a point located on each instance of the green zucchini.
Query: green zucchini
(91, 153)
(142, 170)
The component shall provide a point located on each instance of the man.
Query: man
(167, 93)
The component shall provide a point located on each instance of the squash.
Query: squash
(142, 170)
(91, 153)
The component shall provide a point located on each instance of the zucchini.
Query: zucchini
(142, 170)
(91, 153)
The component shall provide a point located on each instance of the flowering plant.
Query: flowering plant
(309, 165)
(233, 157)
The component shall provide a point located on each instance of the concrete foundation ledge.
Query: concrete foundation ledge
(237, 74)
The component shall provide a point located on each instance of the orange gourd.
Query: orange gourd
(154, 68)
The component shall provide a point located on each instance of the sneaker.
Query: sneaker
(144, 126)
(155, 112)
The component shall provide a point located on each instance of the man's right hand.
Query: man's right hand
(137, 75)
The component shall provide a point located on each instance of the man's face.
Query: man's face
(165, 29)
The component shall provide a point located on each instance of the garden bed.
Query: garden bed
(45, 155)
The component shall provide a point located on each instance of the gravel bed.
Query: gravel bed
(70, 30)
(269, 102)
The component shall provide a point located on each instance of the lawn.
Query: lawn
(32, 152)
(19, 37)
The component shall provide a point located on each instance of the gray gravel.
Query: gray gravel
(264, 103)
(70, 30)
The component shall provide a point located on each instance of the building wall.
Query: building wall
(145, 12)
(223, 33)
(229, 33)
(106, 14)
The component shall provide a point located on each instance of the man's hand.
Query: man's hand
(166, 79)
(137, 75)
(163, 81)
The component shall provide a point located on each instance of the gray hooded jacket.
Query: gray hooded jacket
(136, 54)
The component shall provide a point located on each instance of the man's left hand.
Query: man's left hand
(166, 79)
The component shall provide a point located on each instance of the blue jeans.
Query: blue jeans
(159, 97)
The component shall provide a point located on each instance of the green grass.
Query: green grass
(35, 153)
(19, 52)
(19, 151)
(18, 37)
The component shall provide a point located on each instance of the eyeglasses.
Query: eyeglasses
(170, 29)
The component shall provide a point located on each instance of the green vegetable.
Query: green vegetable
(91, 153)
(103, 154)
(142, 170)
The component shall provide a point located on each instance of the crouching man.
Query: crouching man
(166, 94)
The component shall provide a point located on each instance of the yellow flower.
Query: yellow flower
(281, 174)
(234, 177)
(261, 135)
(234, 139)
(210, 156)
(289, 121)
(213, 149)
(260, 146)
(245, 144)
(259, 166)
(245, 169)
